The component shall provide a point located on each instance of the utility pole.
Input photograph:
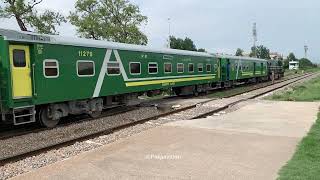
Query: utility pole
(306, 48)
(255, 39)
(169, 26)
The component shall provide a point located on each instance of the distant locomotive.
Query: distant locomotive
(44, 78)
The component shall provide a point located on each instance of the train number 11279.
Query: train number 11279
(85, 53)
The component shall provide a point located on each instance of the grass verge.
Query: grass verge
(305, 164)
(308, 91)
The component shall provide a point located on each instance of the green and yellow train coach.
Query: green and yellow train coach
(242, 69)
(45, 77)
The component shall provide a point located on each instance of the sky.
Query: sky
(283, 26)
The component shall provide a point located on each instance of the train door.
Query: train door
(228, 70)
(254, 68)
(261, 68)
(20, 71)
(216, 68)
(219, 69)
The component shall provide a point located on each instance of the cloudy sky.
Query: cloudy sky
(223, 26)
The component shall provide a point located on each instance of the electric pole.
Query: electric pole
(306, 48)
(255, 39)
(169, 31)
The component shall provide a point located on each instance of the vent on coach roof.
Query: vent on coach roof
(24, 36)
(31, 37)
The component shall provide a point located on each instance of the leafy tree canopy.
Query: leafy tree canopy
(184, 44)
(261, 52)
(286, 64)
(291, 57)
(113, 20)
(239, 52)
(202, 50)
(306, 63)
(28, 17)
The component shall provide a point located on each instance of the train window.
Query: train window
(85, 68)
(200, 67)
(153, 68)
(135, 68)
(50, 68)
(167, 67)
(208, 68)
(19, 58)
(113, 68)
(191, 67)
(180, 68)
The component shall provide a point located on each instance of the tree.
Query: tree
(202, 50)
(239, 52)
(27, 16)
(291, 57)
(261, 52)
(286, 64)
(189, 45)
(113, 20)
(306, 63)
(184, 44)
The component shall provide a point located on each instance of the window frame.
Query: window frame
(164, 68)
(44, 68)
(200, 64)
(209, 68)
(25, 58)
(134, 74)
(178, 68)
(113, 62)
(189, 67)
(94, 68)
(149, 67)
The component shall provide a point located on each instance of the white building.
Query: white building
(293, 65)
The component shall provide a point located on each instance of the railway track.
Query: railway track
(14, 131)
(9, 131)
(21, 155)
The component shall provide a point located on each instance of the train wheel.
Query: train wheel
(45, 120)
(95, 114)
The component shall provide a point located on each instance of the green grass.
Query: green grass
(305, 164)
(242, 89)
(300, 71)
(308, 91)
(292, 72)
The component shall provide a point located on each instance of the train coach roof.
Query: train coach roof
(241, 58)
(20, 36)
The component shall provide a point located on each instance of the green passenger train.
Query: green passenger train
(44, 77)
